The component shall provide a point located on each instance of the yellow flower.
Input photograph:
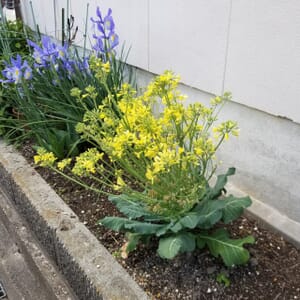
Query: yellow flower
(235, 132)
(150, 175)
(90, 89)
(63, 163)
(106, 67)
(44, 158)
(216, 101)
(87, 162)
(75, 92)
(174, 113)
(109, 121)
(198, 151)
(120, 181)
(151, 151)
(180, 150)
(225, 128)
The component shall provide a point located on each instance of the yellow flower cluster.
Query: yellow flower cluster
(101, 69)
(170, 151)
(225, 128)
(61, 165)
(44, 158)
(88, 162)
(168, 154)
(164, 86)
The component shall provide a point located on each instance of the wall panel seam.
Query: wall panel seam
(148, 35)
(227, 45)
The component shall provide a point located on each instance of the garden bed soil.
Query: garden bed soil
(273, 271)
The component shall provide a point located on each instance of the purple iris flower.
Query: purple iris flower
(37, 53)
(49, 48)
(108, 23)
(98, 46)
(16, 71)
(98, 13)
(113, 40)
(101, 21)
(48, 52)
(84, 65)
(62, 52)
(27, 72)
(108, 39)
(69, 66)
(101, 29)
(42, 54)
(54, 56)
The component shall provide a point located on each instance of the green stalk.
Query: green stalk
(55, 19)
(85, 29)
(79, 182)
(34, 20)
(2, 15)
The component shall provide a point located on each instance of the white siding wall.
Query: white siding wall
(263, 63)
(251, 48)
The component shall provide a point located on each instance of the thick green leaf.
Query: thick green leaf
(231, 251)
(164, 229)
(205, 215)
(216, 191)
(144, 228)
(128, 207)
(200, 242)
(191, 220)
(234, 207)
(124, 224)
(176, 227)
(170, 246)
(133, 239)
(115, 223)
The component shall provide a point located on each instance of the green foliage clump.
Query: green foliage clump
(13, 38)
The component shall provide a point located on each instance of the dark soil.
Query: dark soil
(273, 271)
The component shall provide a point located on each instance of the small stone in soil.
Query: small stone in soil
(211, 270)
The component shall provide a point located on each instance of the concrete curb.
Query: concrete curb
(26, 271)
(270, 218)
(89, 268)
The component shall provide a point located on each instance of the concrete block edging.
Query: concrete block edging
(88, 267)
